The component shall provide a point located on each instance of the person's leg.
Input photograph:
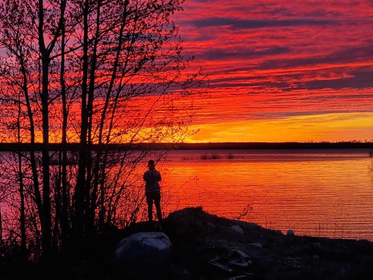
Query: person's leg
(149, 200)
(157, 202)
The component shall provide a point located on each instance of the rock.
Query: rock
(149, 250)
(239, 258)
(143, 242)
(220, 263)
(316, 245)
(237, 229)
(292, 263)
(239, 262)
(236, 258)
(256, 245)
(221, 266)
(244, 276)
(290, 232)
(315, 257)
(238, 254)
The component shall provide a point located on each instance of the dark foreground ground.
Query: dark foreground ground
(207, 247)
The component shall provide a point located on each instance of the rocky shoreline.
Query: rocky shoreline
(199, 238)
(205, 246)
(192, 244)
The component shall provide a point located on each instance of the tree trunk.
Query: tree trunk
(46, 215)
(81, 180)
(65, 228)
(46, 225)
(21, 187)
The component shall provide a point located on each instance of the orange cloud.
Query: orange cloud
(327, 127)
(279, 67)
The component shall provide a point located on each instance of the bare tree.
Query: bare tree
(91, 73)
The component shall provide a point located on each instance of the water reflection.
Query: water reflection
(319, 193)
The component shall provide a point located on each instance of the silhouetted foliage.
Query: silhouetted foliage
(90, 72)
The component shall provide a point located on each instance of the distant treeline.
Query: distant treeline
(187, 146)
(282, 145)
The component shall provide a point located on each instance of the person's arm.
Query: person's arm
(159, 176)
(145, 177)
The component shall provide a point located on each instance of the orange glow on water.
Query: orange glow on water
(312, 192)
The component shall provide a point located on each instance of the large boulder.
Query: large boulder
(144, 255)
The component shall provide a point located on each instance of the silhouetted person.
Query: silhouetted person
(152, 190)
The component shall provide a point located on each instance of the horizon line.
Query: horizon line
(175, 146)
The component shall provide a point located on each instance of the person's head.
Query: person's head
(151, 164)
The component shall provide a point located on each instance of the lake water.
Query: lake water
(313, 192)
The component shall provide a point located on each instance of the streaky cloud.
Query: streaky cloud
(360, 80)
(236, 23)
(222, 54)
(343, 55)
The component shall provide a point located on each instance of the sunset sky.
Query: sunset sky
(290, 70)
